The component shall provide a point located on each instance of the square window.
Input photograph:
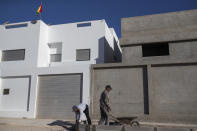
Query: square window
(55, 52)
(83, 54)
(6, 91)
(56, 57)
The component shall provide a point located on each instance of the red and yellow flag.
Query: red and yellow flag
(39, 10)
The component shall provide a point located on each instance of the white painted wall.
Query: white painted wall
(15, 101)
(73, 38)
(43, 48)
(21, 38)
(35, 39)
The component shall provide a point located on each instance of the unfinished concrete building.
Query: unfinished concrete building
(157, 79)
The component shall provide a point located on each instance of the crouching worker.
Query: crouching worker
(80, 110)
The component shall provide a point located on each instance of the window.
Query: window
(83, 54)
(55, 57)
(83, 24)
(6, 91)
(16, 26)
(13, 55)
(157, 49)
(55, 52)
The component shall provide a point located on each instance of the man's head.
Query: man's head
(108, 88)
(75, 109)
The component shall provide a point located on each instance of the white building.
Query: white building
(45, 69)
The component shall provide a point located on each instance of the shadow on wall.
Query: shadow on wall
(117, 52)
(107, 53)
(145, 91)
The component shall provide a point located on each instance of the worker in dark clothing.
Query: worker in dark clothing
(104, 105)
(80, 110)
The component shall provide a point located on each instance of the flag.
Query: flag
(39, 10)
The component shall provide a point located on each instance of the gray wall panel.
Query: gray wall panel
(174, 89)
(127, 94)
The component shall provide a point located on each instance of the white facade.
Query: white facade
(39, 42)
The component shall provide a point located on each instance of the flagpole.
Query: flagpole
(41, 12)
(40, 16)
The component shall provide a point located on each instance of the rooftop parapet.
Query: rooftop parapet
(167, 27)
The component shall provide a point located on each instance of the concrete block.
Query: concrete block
(138, 129)
(82, 128)
(172, 129)
(108, 128)
(27, 128)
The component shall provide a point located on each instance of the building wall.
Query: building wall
(9, 102)
(21, 38)
(174, 86)
(35, 39)
(159, 92)
(169, 81)
(126, 97)
(73, 38)
(43, 48)
(31, 112)
(173, 26)
(178, 51)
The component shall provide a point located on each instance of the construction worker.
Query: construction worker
(80, 110)
(104, 105)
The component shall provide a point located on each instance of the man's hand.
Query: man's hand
(77, 121)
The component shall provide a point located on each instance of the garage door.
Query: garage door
(57, 94)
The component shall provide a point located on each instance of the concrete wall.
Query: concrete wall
(173, 90)
(165, 88)
(173, 26)
(178, 51)
(127, 97)
(164, 92)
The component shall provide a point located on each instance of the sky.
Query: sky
(68, 11)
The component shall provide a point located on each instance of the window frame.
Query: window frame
(3, 51)
(88, 56)
(155, 49)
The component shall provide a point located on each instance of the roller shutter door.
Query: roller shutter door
(57, 94)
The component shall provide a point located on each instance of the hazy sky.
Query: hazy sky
(66, 11)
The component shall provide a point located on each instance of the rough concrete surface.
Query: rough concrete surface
(127, 91)
(172, 129)
(165, 88)
(16, 124)
(108, 128)
(138, 129)
(160, 27)
(181, 51)
(28, 128)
